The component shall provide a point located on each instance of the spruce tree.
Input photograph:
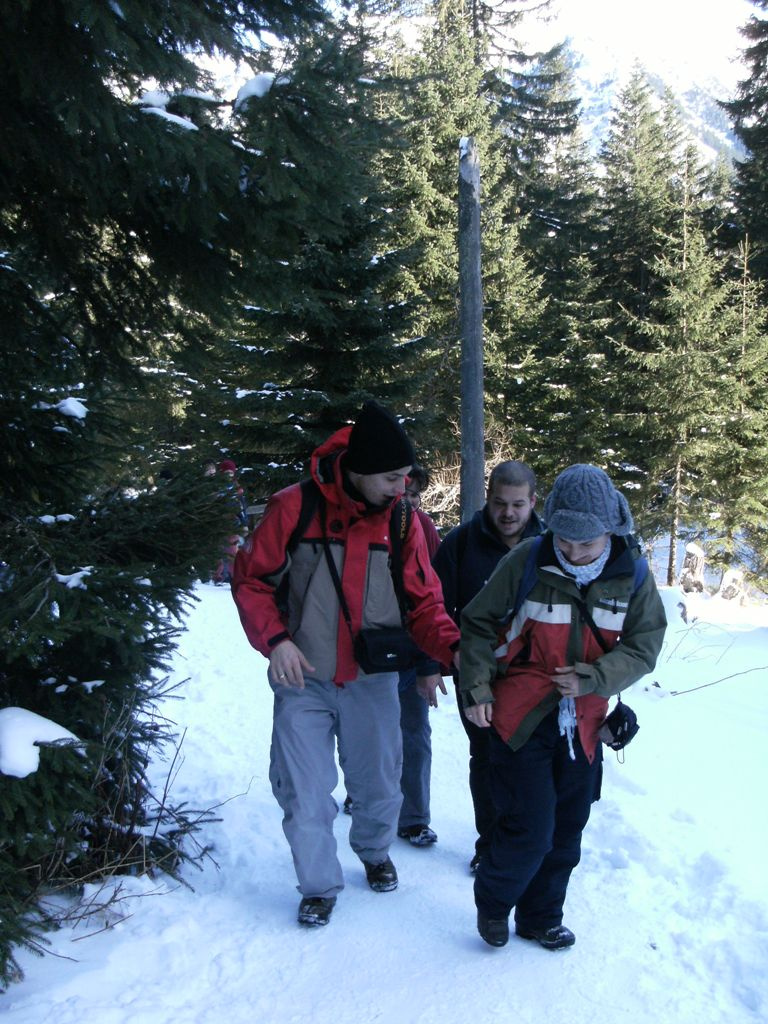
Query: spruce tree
(126, 228)
(717, 206)
(568, 382)
(637, 206)
(536, 108)
(638, 211)
(314, 327)
(553, 175)
(564, 385)
(738, 482)
(442, 106)
(749, 115)
(328, 334)
(447, 101)
(678, 421)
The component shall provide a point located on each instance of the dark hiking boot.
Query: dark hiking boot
(493, 930)
(316, 910)
(557, 937)
(418, 835)
(347, 804)
(381, 877)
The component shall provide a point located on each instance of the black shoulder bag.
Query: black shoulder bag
(389, 648)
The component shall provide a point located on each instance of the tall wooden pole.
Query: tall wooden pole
(471, 323)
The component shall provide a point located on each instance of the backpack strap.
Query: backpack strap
(584, 612)
(528, 580)
(641, 571)
(399, 525)
(310, 500)
(529, 577)
(311, 496)
(334, 573)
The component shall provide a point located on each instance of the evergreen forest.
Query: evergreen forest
(223, 227)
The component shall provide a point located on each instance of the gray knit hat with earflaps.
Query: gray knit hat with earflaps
(583, 504)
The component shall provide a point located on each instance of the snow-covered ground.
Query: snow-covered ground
(669, 904)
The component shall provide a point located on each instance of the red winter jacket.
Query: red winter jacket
(431, 536)
(360, 545)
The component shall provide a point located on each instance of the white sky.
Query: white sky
(701, 38)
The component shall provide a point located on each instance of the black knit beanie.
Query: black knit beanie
(378, 443)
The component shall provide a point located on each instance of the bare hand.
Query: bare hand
(480, 714)
(566, 681)
(455, 661)
(427, 687)
(287, 665)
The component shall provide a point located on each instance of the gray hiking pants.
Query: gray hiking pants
(363, 717)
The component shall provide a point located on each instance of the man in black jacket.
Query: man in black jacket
(464, 561)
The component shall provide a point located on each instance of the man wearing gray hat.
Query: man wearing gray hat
(538, 675)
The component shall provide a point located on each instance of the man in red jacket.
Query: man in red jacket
(302, 606)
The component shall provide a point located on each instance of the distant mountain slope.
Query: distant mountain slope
(693, 51)
(706, 122)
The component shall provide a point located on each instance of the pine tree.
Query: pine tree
(449, 101)
(739, 480)
(749, 114)
(125, 227)
(554, 179)
(637, 201)
(678, 423)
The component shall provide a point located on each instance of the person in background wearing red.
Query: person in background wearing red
(228, 469)
(415, 687)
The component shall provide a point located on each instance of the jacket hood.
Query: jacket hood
(336, 443)
(324, 464)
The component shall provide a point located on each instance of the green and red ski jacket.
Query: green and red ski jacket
(509, 656)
